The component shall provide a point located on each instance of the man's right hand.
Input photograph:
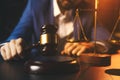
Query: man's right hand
(12, 49)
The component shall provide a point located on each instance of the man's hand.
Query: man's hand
(76, 48)
(12, 49)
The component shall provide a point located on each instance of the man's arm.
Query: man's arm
(24, 27)
(13, 46)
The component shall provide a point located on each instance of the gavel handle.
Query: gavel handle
(32, 46)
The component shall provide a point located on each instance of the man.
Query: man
(41, 12)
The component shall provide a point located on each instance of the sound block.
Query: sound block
(52, 65)
(95, 59)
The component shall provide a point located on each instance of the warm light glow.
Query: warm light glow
(73, 62)
(96, 4)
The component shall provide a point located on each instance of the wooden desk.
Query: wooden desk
(99, 73)
(15, 71)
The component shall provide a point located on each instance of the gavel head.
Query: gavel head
(48, 40)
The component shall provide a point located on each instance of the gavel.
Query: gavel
(48, 41)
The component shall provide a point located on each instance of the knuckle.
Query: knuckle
(12, 41)
(2, 48)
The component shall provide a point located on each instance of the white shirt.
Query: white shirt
(64, 28)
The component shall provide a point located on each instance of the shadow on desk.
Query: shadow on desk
(15, 71)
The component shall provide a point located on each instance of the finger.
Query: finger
(13, 48)
(88, 45)
(81, 50)
(7, 51)
(71, 48)
(65, 51)
(67, 45)
(3, 53)
(19, 46)
(76, 50)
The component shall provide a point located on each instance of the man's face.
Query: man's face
(68, 4)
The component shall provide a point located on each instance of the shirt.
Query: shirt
(64, 21)
(65, 25)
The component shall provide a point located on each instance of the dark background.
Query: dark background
(11, 11)
(108, 12)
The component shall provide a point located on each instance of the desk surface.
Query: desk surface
(15, 71)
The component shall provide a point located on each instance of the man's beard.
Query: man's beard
(66, 4)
